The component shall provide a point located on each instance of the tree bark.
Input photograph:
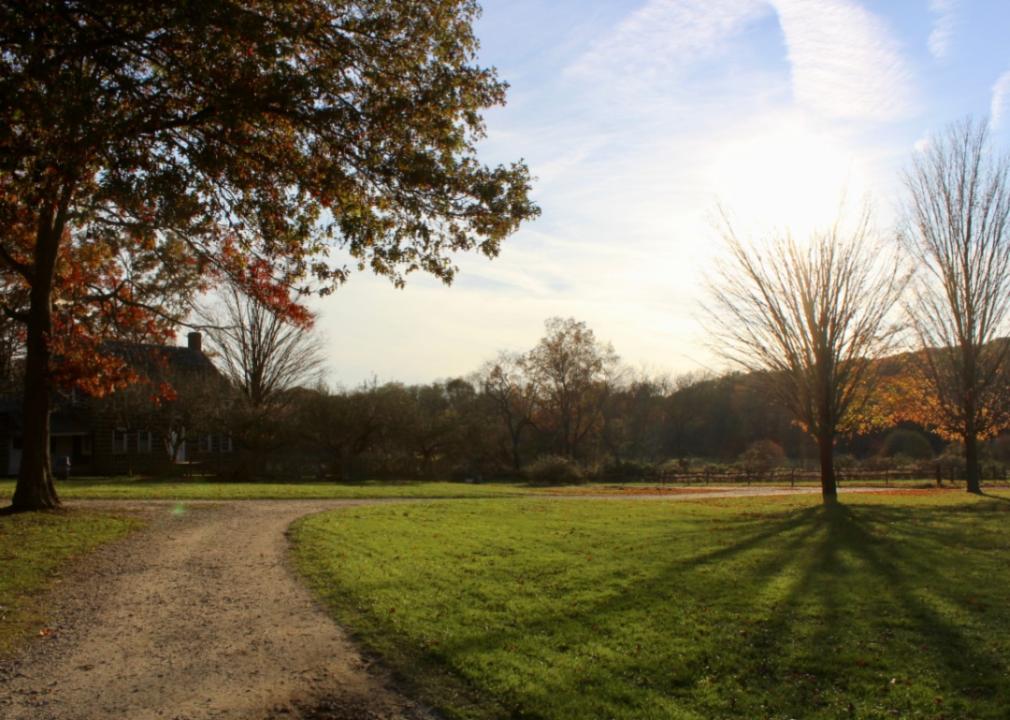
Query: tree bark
(971, 463)
(516, 460)
(829, 489)
(35, 489)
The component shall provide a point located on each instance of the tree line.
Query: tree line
(564, 409)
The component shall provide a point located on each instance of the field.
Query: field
(34, 548)
(175, 488)
(891, 606)
(136, 488)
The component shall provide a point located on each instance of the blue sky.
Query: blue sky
(639, 119)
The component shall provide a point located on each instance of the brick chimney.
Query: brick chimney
(194, 341)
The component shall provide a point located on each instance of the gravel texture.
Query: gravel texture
(197, 616)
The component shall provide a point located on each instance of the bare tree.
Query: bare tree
(513, 392)
(957, 222)
(811, 319)
(261, 352)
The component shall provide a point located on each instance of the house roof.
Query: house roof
(150, 358)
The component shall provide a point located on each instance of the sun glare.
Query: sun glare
(787, 178)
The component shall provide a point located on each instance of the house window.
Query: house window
(205, 443)
(143, 441)
(120, 441)
(224, 444)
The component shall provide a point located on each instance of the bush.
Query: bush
(553, 470)
(629, 470)
(674, 467)
(762, 457)
(846, 461)
(910, 443)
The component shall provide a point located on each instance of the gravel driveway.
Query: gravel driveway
(197, 616)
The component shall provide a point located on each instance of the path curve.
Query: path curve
(199, 616)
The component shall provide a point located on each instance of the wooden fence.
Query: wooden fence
(937, 473)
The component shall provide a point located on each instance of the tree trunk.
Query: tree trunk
(35, 489)
(829, 490)
(971, 463)
(516, 461)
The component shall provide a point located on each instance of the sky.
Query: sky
(639, 121)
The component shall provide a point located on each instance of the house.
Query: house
(134, 430)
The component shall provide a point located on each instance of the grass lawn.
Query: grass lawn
(145, 488)
(126, 488)
(33, 549)
(893, 606)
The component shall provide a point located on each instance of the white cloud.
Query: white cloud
(944, 24)
(845, 63)
(664, 36)
(1000, 108)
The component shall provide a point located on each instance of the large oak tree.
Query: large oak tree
(146, 148)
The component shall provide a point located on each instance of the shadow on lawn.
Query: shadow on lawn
(913, 568)
(805, 608)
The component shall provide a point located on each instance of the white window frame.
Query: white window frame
(144, 442)
(225, 444)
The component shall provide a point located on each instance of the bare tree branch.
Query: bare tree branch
(811, 318)
(956, 232)
(262, 353)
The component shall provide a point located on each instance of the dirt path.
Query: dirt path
(198, 616)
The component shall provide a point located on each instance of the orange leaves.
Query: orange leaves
(259, 280)
(905, 393)
(79, 362)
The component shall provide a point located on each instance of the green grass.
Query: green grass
(893, 606)
(145, 488)
(34, 548)
(124, 488)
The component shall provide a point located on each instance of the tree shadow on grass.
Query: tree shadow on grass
(909, 621)
(999, 498)
(806, 612)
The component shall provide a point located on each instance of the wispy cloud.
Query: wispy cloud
(664, 36)
(845, 63)
(999, 111)
(944, 24)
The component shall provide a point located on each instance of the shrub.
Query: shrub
(846, 461)
(674, 467)
(910, 443)
(629, 470)
(553, 470)
(762, 457)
